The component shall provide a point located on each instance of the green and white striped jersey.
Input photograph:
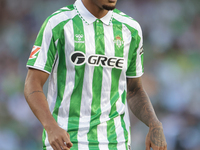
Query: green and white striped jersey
(88, 60)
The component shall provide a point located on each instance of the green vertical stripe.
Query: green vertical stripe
(61, 76)
(126, 136)
(125, 130)
(43, 139)
(96, 87)
(115, 75)
(50, 56)
(123, 97)
(142, 59)
(75, 102)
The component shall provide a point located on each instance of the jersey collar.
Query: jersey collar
(88, 17)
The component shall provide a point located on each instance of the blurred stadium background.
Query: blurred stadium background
(171, 30)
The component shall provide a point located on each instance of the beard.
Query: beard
(107, 7)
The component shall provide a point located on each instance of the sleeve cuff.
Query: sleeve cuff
(38, 68)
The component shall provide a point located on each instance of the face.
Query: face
(105, 4)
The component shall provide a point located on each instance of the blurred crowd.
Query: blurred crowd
(171, 30)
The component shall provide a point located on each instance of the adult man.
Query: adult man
(94, 56)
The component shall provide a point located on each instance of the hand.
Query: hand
(59, 139)
(155, 139)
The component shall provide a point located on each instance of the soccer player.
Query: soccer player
(94, 56)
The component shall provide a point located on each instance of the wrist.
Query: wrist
(154, 124)
(50, 126)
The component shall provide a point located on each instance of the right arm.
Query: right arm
(33, 92)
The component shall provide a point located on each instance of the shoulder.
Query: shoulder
(64, 10)
(128, 21)
(63, 14)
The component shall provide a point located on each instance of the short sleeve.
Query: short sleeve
(43, 54)
(135, 59)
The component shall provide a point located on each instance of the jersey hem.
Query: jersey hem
(38, 68)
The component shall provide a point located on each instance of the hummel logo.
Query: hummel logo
(79, 38)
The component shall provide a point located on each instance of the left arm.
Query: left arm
(142, 108)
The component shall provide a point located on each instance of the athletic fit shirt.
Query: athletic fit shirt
(88, 60)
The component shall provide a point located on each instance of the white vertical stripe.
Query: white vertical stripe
(42, 56)
(52, 87)
(107, 72)
(120, 133)
(102, 134)
(69, 85)
(48, 146)
(121, 146)
(127, 122)
(86, 102)
(127, 41)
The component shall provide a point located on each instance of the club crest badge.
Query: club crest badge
(118, 41)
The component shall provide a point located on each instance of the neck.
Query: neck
(94, 9)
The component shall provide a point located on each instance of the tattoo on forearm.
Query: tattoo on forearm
(141, 105)
(34, 92)
(157, 137)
